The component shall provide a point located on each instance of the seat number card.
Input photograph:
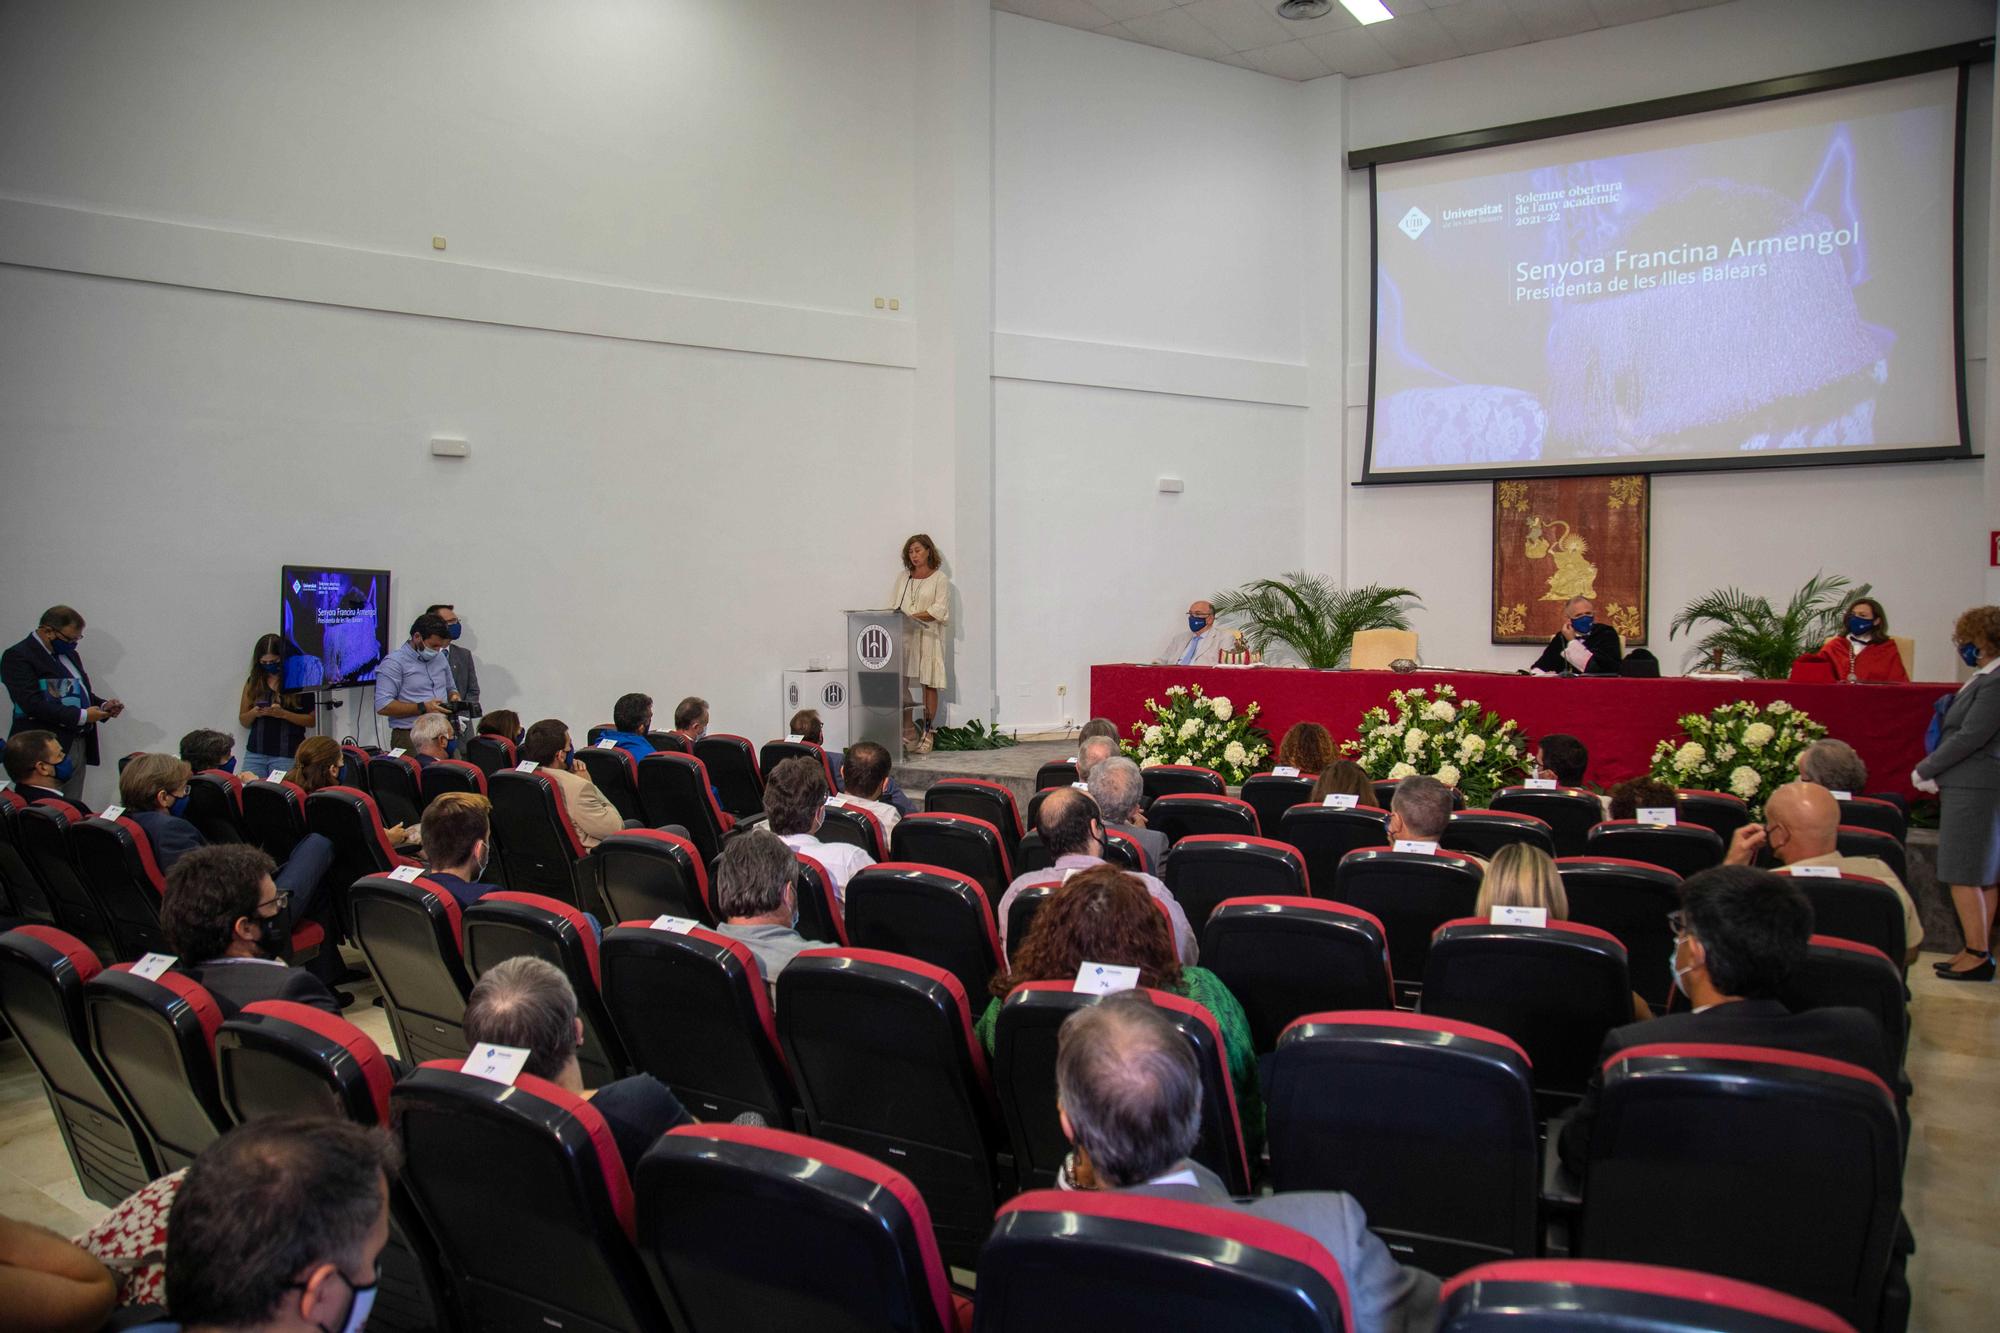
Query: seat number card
(795, 740)
(1816, 872)
(151, 965)
(1540, 784)
(526, 766)
(114, 812)
(606, 743)
(407, 874)
(1284, 771)
(1520, 916)
(1104, 978)
(1342, 800)
(279, 775)
(677, 925)
(502, 1064)
(1417, 845)
(1662, 815)
(397, 753)
(1843, 796)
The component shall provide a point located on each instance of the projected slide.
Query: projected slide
(335, 618)
(1737, 287)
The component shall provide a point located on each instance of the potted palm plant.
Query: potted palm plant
(1311, 616)
(1755, 638)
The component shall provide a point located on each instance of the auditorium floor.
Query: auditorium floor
(1951, 1185)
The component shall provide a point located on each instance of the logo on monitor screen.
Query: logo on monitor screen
(295, 587)
(872, 647)
(1414, 222)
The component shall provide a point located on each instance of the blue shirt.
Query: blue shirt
(403, 677)
(465, 891)
(630, 742)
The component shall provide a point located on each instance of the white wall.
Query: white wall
(1917, 531)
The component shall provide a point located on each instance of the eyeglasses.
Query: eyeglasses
(1677, 921)
(283, 902)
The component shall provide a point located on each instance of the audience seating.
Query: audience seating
(674, 789)
(1682, 1127)
(1123, 850)
(1411, 894)
(820, 917)
(115, 858)
(1184, 814)
(1179, 779)
(887, 1064)
(695, 1013)
(507, 925)
(215, 806)
(23, 891)
(1271, 795)
(156, 1042)
(1282, 956)
(1681, 848)
(1855, 907)
(1570, 812)
(856, 827)
(645, 873)
(49, 851)
(1022, 911)
(774, 753)
(1061, 773)
(732, 765)
(1854, 840)
(354, 765)
(536, 841)
(396, 781)
(1843, 972)
(717, 1201)
(1385, 792)
(670, 741)
(937, 915)
(1873, 812)
(981, 799)
(1203, 869)
(274, 817)
(616, 774)
(1429, 1122)
(1127, 1263)
(409, 932)
(360, 847)
(43, 973)
(971, 846)
(1595, 1296)
(1325, 833)
(529, 1200)
(447, 775)
(490, 754)
(1631, 900)
(1714, 810)
(1555, 989)
(1484, 832)
(1034, 853)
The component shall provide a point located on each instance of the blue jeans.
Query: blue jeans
(256, 765)
(304, 874)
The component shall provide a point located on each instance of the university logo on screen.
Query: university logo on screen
(1414, 222)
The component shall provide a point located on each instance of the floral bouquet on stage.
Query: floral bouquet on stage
(1195, 728)
(1435, 733)
(1738, 748)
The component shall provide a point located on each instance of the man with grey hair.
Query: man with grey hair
(1420, 810)
(1199, 643)
(1117, 787)
(756, 895)
(1073, 835)
(1128, 1093)
(1834, 765)
(1092, 751)
(1583, 645)
(527, 1003)
(429, 735)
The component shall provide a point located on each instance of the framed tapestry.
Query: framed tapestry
(1568, 537)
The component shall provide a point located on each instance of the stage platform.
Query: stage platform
(1016, 766)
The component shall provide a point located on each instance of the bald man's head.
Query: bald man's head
(1809, 818)
(1067, 821)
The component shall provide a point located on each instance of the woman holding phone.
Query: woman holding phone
(277, 717)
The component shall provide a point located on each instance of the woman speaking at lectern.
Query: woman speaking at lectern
(923, 593)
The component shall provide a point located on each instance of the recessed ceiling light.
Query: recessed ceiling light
(1304, 9)
(1367, 11)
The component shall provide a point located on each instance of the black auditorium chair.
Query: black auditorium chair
(1022, 911)
(1185, 814)
(1556, 989)
(553, 1247)
(1385, 792)
(274, 817)
(354, 764)
(773, 753)
(1271, 794)
(1286, 956)
(1127, 1263)
(1484, 832)
(1175, 779)
(490, 754)
(1570, 812)
(1594, 1296)
(43, 972)
(1411, 894)
(973, 847)
(215, 806)
(508, 924)
(51, 854)
(1325, 833)
(1681, 848)
(1429, 1122)
(1844, 972)
(24, 894)
(115, 857)
(156, 1041)
(856, 827)
(1125, 851)
(1854, 840)
(1060, 773)
(1678, 1130)
(1854, 907)
(820, 917)
(675, 789)
(409, 933)
(616, 774)
(716, 1201)
(937, 915)
(1034, 853)
(883, 1049)
(537, 844)
(645, 873)
(1632, 900)
(1872, 812)
(396, 781)
(349, 819)
(732, 765)
(671, 741)
(981, 799)
(695, 1012)
(1716, 810)
(1203, 869)
(448, 775)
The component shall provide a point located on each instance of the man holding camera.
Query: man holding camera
(415, 678)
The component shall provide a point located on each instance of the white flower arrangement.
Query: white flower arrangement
(1739, 748)
(1475, 751)
(1195, 728)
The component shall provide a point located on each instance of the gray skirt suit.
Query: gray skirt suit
(1966, 768)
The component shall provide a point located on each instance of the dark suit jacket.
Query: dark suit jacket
(1838, 1033)
(1968, 748)
(236, 984)
(1604, 653)
(33, 794)
(172, 837)
(23, 668)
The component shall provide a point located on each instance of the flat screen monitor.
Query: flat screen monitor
(336, 620)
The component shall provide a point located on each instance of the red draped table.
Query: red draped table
(1619, 720)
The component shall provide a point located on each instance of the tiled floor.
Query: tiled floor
(1951, 1185)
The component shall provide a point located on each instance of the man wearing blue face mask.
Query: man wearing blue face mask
(415, 678)
(50, 691)
(464, 671)
(1583, 646)
(1198, 644)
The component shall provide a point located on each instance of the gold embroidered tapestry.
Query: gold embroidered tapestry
(1563, 537)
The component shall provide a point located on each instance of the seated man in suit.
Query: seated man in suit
(32, 760)
(756, 895)
(1073, 834)
(1739, 934)
(1802, 828)
(1128, 1093)
(1582, 646)
(430, 737)
(457, 839)
(590, 810)
(527, 1003)
(1199, 643)
(154, 790)
(1118, 788)
(231, 926)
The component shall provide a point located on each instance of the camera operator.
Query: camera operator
(415, 678)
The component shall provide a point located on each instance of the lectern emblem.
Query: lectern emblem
(792, 694)
(834, 695)
(873, 647)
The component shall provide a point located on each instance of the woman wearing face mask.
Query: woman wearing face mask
(923, 593)
(277, 717)
(1864, 650)
(1964, 771)
(1583, 646)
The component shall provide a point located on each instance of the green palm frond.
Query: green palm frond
(1754, 637)
(1310, 615)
